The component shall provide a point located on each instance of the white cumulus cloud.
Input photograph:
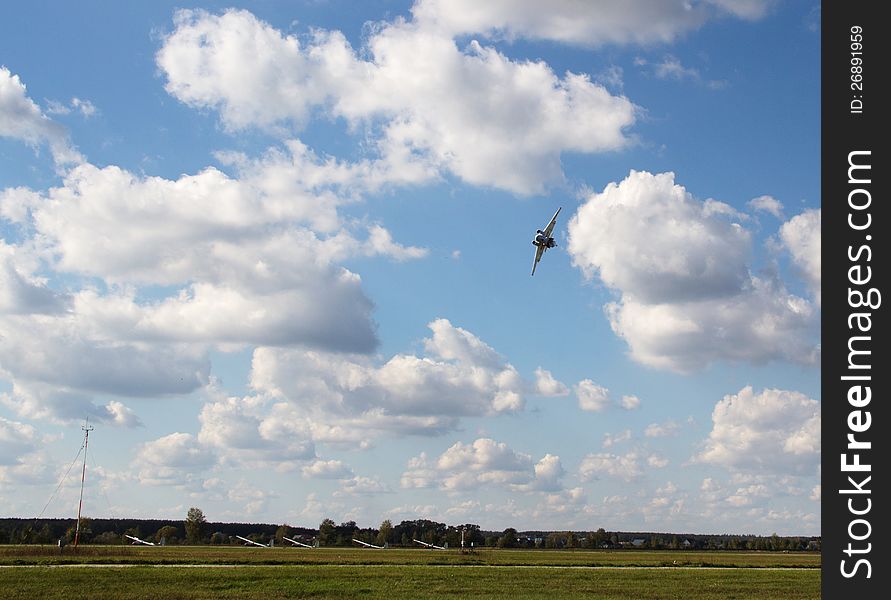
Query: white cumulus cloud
(546, 385)
(582, 23)
(22, 119)
(16, 439)
(592, 397)
(681, 269)
(460, 375)
(621, 466)
(484, 462)
(767, 204)
(327, 469)
(775, 431)
(463, 121)
(802, 236)
(176, 459)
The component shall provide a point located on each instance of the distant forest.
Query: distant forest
(194, 529)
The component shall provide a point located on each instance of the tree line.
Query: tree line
(196, 529)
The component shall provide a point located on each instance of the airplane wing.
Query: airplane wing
(367, 544)
(539, 250)
(252, 542)
(550, 228)
(296, 543)
(136, 540)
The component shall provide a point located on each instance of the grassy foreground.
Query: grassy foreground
(246, 555)
(123, 572)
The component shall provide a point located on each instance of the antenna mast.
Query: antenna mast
(87, 429)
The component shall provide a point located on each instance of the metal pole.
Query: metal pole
(87, 429)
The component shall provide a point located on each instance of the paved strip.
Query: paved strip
(298, 566)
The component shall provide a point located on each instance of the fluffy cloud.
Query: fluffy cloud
(16, 439)
(546, 385)
(801, 235)
(176, 459)
(667, 428)
(187, 264)
(60, 351)
(31, 467)
(610, 440)
(21, 292)
(687, 296)
(228, 242)
(548, 472)
(582, 23)
(592, 397)
(327, 469)
(225, 246)
(419, 473)
(771, 431)
(649, 238)
(243, 431)
(84, 107)
(481, 463)
(768, 204)
(622, 466)
(22, 119)
(58, 359)
(630, 402)
(460, 376)
(627, 467)
(464, 120)
(362, 486)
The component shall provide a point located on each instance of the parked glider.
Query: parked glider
(253, 543)
(136, 540)
(543, 239)
(296, 543)
(434, 546)
(371, 545)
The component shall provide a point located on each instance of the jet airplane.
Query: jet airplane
(543, 239)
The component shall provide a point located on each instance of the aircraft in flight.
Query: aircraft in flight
(543, 239)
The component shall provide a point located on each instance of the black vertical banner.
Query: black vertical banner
(855, 373)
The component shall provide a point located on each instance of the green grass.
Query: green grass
(417, 582)
(395, 574)
(243, 555)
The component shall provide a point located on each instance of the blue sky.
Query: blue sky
(279, 255)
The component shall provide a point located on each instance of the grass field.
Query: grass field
(128, 572)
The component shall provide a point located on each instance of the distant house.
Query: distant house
(638, 542)
(686, 544)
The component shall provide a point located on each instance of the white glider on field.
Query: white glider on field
(136, 540)
(253, 543)
(434, 546)
(371, 545)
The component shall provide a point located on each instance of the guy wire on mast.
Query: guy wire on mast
(87, 429)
